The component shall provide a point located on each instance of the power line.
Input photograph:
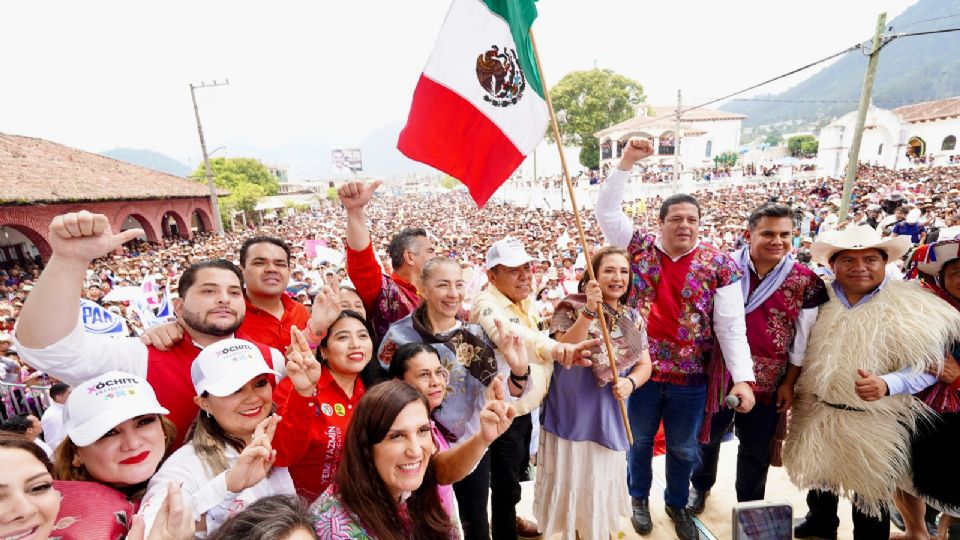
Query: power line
(928, 32)
(926, 20)
(763, 100)
(859, 46)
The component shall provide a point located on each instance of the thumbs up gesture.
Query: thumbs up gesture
(355, 195)
(83, 236)
(870, 387)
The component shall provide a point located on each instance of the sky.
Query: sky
(98, 75)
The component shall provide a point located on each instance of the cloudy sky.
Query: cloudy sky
(98, 75)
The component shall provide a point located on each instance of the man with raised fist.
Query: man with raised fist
(49, 335)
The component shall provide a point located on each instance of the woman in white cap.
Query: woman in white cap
(227, 461)
(116, 438)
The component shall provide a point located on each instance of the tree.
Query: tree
(247, 180)
(449, 182)
(773, 139)
(726, 159)
(230, 172)
(592, 100)
(802, 145)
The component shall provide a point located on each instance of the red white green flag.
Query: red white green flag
(478, 108)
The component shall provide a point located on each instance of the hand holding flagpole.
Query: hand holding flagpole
(601, 319)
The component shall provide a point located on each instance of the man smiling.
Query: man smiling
(689, 294)
(50, 337)
(781, 299)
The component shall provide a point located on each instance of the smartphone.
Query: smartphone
(763, 520)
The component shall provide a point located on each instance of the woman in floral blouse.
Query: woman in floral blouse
(396, 498)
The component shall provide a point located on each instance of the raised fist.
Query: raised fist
(85, 236)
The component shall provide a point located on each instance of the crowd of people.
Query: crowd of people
(390, 367)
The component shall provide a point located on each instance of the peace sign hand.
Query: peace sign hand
(257, 458)
(496, 416)
(326, 308)
(303, 368)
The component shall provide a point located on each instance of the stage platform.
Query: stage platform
(716, 520)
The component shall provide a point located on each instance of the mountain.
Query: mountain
(911, 69)
(149, 159)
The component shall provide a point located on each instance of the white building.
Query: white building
(893, 138)
(704, 134)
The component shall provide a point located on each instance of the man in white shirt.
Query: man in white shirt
(52, 419)
(690, 295)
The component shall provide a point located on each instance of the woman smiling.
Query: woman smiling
(397, 497)
(227, 462)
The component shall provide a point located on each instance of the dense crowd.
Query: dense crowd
(445, 345)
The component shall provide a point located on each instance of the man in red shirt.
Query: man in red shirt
(270, 311)
(388, 298)
(51, 338)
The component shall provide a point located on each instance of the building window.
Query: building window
(949, 142)
(620, 146)
(709, 148)
(605, 150)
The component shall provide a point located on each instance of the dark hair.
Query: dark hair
(345, 314)
(401, 243)
(262, 240)
(190, 274)
(768, 211)
(58, 390)
(403, 354)
(18, 424)
(17, 442)
(597, 260)
(679, 198)
(276, 516)
(362, 490)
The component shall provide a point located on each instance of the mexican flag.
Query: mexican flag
(478, 108)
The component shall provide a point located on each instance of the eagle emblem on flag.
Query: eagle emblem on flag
(499, 73)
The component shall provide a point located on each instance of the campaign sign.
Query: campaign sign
(97, 320)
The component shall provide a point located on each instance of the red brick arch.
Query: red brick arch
(204, 218)
(145, 224)
(183, 229)
(34, 220)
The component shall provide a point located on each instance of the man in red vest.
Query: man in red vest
(50, 337)
(271, 312)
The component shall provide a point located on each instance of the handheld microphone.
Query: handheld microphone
(731, 401)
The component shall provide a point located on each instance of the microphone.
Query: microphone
(731, 401)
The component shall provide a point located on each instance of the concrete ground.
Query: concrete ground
(717, 518)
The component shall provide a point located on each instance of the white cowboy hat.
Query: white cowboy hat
(940, 253)
(857, 237)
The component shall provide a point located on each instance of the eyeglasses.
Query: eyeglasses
(440, 373)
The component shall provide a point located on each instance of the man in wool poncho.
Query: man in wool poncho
(869, 350)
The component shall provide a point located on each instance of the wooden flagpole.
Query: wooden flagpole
(601, 318)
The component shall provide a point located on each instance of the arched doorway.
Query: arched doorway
(173, 226)
(21, 246)
(668, 143)
(200, 222)
(916, 147)
(135, 221)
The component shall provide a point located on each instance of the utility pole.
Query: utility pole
(854, 158)
(214, 204)
(676, 146)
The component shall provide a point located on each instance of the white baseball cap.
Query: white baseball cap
(508, 252)
(224, 367)
(102, 403)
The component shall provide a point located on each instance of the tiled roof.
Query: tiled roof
(34, 170)
(659, 115)
(929, 110)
